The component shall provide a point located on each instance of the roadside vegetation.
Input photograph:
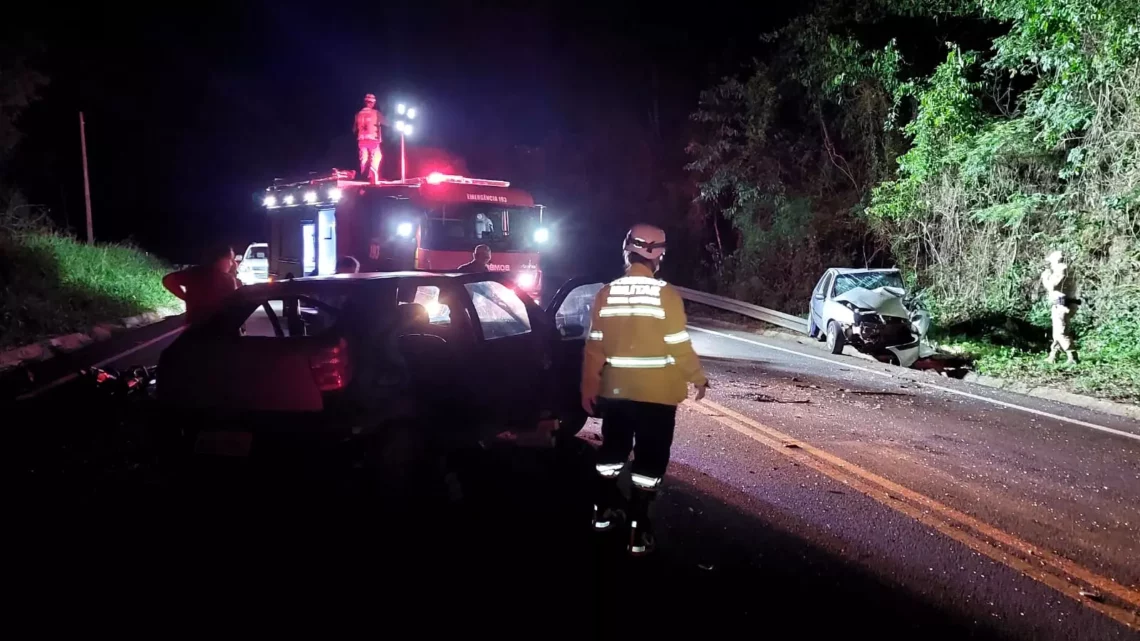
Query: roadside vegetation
(958, 140)
(52, 284)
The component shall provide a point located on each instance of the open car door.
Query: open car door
(571, 310)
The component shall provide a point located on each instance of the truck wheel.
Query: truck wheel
(835, 340)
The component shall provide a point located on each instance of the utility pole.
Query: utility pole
(86, 182)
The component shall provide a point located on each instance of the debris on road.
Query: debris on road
(794, 446)
(873, 392)
(764, 398)
(1092, 595)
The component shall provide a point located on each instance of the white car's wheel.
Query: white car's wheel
(835, 339)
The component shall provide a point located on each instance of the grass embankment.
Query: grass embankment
(1109, 364)
(52, 284)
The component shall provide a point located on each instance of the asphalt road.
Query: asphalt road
(810, 495)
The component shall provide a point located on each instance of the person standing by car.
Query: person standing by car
(637, 367)
(347, 265)
(480, 259)
(204, 287)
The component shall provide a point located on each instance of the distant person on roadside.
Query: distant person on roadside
(1059, 287)
(204, 287)
(480, 259)
(347, 265)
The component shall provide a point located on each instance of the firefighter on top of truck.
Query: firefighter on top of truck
(637, 367)
(367, 130)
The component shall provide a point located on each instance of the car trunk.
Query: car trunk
(247, 373)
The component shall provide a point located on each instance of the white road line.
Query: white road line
(110, 359)
(1030, 410)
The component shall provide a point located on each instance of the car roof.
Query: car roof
(861, 270)
(372, 276)
(309, 284)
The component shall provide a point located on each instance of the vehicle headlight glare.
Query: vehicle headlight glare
(525, 280)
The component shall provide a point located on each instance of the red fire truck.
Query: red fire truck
(430, 223)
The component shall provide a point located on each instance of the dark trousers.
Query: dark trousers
(646, 429)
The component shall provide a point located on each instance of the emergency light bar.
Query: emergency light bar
(436, 178)
(328, 189)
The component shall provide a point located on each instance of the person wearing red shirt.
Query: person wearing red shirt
(204, 287)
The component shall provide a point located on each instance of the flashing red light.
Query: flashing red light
(435, 178)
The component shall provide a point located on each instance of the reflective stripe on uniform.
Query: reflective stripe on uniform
(638, 280)
(646, 482)
(655, 312)
(680, 337)
(633, 300)
(609, 470)
(635, 362)
(596, 335)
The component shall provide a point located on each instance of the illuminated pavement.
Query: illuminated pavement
(757, 537)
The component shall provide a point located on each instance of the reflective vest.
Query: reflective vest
(637, 347)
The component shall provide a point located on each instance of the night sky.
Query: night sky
(190, 113)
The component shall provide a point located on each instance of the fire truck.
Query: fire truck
(430, 223)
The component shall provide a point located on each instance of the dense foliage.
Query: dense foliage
(965, 165)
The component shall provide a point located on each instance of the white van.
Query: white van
(254, 267)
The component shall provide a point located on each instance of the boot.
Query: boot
(641, 539)
(607, 499)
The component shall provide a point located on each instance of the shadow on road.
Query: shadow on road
(493, 541)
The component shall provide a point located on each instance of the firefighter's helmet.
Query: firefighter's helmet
(646, 241)
(369, 97)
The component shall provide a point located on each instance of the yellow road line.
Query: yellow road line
(1121, 602)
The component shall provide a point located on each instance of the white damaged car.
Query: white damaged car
(868, 308)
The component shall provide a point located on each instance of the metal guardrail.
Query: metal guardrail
(747, 309)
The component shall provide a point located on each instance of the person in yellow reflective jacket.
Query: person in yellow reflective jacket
(638, 365)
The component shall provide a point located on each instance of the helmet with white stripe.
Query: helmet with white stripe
(646, 241)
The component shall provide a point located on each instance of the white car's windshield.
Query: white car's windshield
(868, 280)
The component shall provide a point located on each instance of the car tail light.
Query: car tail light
(332, 368)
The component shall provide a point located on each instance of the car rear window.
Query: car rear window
(290, 317)
(438, 313)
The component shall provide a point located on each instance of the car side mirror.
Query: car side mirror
(573, 331)
(239, 258)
